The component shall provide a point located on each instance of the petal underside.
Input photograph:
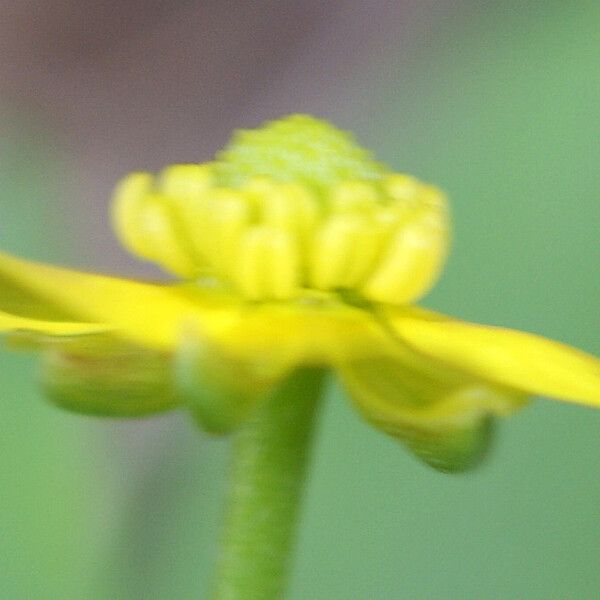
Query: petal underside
(513, 359)
(87, 370)
(443, 415)
(145, 313)
(15, 324)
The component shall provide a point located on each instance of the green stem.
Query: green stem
(270, 456)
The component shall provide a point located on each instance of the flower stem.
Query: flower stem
(270, 456)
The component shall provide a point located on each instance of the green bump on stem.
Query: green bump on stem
(270, 458)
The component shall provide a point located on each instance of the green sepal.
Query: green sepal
(445, 447)
(444, 417)
(108, 381)
(220, 390)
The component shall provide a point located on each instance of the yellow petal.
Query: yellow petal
(313, 331)
(514, 359)
(444, 416)
(18, 300)
(148, 314)
(15, 324)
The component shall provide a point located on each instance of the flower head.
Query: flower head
(293, 248)
(292, 207)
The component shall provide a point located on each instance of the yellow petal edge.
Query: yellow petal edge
(513, 359)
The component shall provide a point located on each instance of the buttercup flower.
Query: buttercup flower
(294, 248)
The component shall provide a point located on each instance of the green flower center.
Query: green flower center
(297, 149)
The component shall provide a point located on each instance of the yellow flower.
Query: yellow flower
(293, 248)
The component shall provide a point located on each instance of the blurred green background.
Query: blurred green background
(499, 104)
